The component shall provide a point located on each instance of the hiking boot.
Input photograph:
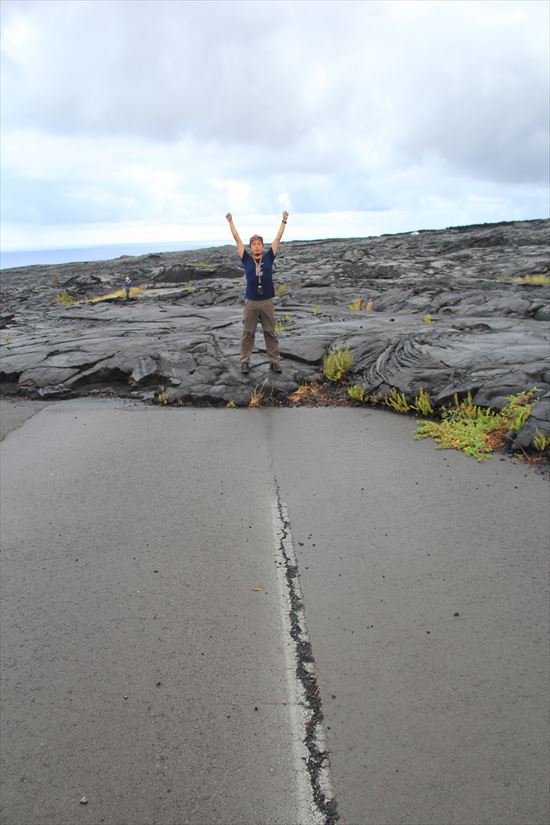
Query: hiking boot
(245, 368)
(275, 368)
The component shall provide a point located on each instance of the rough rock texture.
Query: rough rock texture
(489, 335)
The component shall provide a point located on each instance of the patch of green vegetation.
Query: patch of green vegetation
(7, 338)
(162, 396)
(231, 405)
(135, 291)
(518, 409)
(357, 304)
(427, 319)
(65, 299)
(422, 403)
(357, 393)
(190, 288)
(316, 309)
(282, 323)
(396, 401)
(475, 430)
(541, 442)
(337, 363)
(281, 290)
(55, 278)
(201, 263)
(526, 279)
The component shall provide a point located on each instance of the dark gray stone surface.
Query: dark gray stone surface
(489, 335)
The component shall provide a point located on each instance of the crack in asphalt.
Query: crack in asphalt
(317, 760)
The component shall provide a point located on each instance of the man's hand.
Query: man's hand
(285, 216)
(229, 217)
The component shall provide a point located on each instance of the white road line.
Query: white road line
(314, 787)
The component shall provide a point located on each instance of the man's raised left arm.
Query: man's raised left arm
(276, 242)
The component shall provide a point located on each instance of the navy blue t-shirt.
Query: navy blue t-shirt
(268, 260)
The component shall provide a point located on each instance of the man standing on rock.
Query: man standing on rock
(258, 304)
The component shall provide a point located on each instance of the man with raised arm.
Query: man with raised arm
(258, 302)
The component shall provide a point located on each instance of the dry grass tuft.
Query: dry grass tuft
(314, 394)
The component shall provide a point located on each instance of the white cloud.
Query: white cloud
(284, 200)
(170, 113)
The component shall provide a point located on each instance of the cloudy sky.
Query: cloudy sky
(128, 121)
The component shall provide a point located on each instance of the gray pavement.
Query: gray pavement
(425, 579)
(14, 413)
(146, 654)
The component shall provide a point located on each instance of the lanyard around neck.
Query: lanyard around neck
(259, 267)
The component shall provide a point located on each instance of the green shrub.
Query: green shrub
(357, 304)
(65, 299)
(422, 402)
(397, 401)
(477, 431)
(317, 309)
(337, 363)
(281, 290)
(357, 393)
(374, 399)
(518, 409)
(468, 436)
(541, 442)
(162, 396)
(428, 319)
(282, 323)
(527, 279)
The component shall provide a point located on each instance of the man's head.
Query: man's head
(257, 244)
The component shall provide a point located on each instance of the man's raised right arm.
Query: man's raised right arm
(240, 244)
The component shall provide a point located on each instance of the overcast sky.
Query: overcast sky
(128, 121)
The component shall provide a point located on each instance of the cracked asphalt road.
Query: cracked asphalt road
(145, 662)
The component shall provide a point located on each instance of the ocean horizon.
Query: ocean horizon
(104, 252)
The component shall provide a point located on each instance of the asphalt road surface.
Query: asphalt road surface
(283, 616)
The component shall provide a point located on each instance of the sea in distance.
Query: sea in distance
(106, 252)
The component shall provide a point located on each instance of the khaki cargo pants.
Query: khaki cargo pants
(264, 312)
